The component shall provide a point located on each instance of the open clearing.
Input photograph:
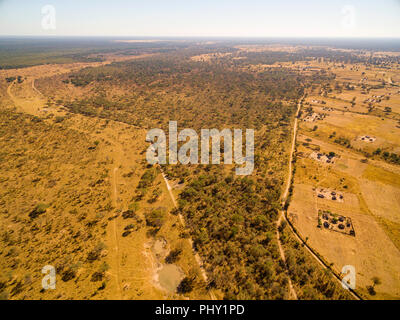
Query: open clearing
(369, 184)
(370, 251)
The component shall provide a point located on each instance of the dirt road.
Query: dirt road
(116, 248)
(196, 255)
(35, 89)
(293, 294)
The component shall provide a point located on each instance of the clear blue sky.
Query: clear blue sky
(259, 18)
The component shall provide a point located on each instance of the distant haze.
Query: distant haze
(217, 18)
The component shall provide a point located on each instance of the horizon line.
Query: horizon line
(202, 36)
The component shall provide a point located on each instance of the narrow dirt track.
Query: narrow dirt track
(293, 294)
(35, 89)
(196, 255)
(115, 201)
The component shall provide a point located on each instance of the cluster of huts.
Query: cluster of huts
(314, 117)
(332, 195)
(318, 101)
(336, 223)
(325, 158)
(368, 139)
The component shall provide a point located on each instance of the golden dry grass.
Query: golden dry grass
(87, 171)
(373, 188)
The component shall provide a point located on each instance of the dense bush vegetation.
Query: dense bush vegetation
(232, 220)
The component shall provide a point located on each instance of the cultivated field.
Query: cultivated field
(361, 128)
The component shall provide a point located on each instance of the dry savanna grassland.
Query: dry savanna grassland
(78, 194)
(69, 200)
